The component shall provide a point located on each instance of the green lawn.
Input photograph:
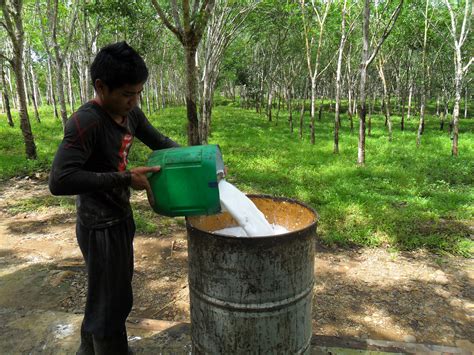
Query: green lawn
(404, 198)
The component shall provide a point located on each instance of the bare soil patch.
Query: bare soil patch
(367, 293)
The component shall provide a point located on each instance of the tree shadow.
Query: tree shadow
(431, 305)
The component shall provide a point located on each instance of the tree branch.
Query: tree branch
(4, 57)
(186, 19)
(195, 8)
(464, 31)
(71, 29)
(166, 21)
(203, 16)
(466, 67)
(8, 24)
(386, 32)
(453, 22)
(175, 13)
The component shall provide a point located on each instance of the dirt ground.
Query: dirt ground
(366, 293)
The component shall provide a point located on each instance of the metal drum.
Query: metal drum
(253, 295)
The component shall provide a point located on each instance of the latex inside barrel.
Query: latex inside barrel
(253, 294)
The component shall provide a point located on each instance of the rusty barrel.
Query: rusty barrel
(254, 294)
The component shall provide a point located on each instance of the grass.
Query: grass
(405, 198)
(40, 203)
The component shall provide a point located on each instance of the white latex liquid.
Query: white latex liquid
(240, 232)
(251, 220)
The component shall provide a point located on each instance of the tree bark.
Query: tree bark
(465, 102)
(69, 84)
(305, 93)
(33, 93)
(314, 73)
(459, 68)
(6, 100)
(337, 117)
(14, 24)
(386, 99)
(52, 93)
(366, 60)
(421, 125)
(191, 95)
(290, 108)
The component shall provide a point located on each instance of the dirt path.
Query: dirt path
(368, 293)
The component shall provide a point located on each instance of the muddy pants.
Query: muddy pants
(108, 253)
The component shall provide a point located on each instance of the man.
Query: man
(91, 162)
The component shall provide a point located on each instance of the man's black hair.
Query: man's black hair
(118, 64)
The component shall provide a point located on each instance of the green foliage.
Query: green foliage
(405, 198)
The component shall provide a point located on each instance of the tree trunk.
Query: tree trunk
(362, 85)
(26, 82)
(269, 102)
(162, 89)
(424, 74)
(290, 109)
(206, 106)
(301, 119)
(33, 95)
(6, 100)
(191, 95)
(60, 88)
(386, 100)
(369, 118)
(441, 120)
(14, 26)
(465, 102)
(337, 117)
(410, 95)
(69, 84)
(30, 146)
(313, 101)
(457, 99)
(52, 94)
(305, 93)
(402, 121)
(349, 111)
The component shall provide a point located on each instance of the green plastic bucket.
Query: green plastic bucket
(186, 185)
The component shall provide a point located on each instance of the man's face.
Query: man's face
(120, 101)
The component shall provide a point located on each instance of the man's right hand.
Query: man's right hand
(140, 180)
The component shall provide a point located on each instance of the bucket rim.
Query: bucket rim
(313, 224)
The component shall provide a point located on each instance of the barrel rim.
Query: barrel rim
(191, 228)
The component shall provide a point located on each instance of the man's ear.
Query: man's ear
(99, 86)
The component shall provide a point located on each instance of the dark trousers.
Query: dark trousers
(108, 253)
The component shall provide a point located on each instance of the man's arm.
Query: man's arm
(68, 176)
(150, 135)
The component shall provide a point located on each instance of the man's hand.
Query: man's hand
(140, 180)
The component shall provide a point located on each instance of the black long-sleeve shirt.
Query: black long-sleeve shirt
(91, 162)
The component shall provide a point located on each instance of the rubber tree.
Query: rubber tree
(188, 25)
(368, 56)
(12, 22)
(459, 37)
(345, 32)
(313, 67)
(53, 22)
(5, 98)
(421, 125)
(223, 25)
